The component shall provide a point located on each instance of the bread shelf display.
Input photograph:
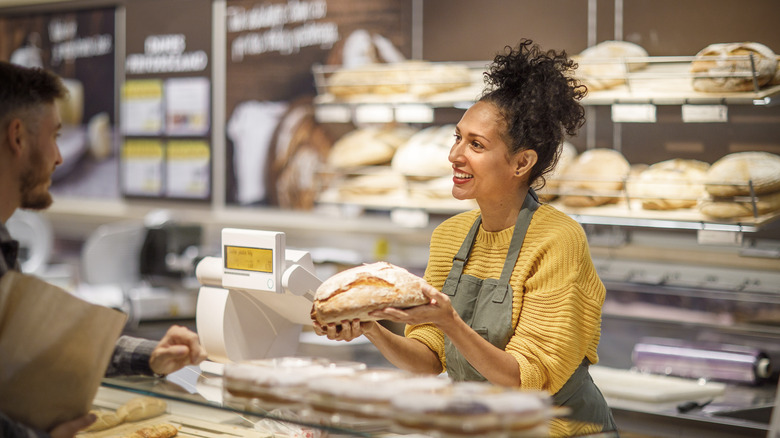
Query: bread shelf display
(668, 80)
(659, 80)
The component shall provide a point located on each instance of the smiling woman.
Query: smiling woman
(509, 282)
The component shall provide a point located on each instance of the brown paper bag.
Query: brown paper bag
(54, 350)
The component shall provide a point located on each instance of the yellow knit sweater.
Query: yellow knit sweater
(556, 307)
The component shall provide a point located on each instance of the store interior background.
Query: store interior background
(463, 30)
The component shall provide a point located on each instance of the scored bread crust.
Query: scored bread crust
(356, 292)
(729, 175)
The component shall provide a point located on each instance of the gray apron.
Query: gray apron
(486, 306)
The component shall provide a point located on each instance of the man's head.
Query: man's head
(29, 126)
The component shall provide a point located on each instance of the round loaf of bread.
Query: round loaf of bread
(604, 65)
(596, 177)
(726, 67)
(426, 153)
(670, 184)
(552, 182)
(368, 146)
(356, 292)
(733, 174)
(726, 208)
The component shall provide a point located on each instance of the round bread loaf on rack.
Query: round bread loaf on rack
(356, 292)
(733, 174)
(726, 67)
(604, 65)
(596, 177)
(670, 184)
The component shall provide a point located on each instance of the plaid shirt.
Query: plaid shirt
(131, 355)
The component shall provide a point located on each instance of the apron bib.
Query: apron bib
(486, 306)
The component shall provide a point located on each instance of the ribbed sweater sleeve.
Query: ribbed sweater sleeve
(557, 295)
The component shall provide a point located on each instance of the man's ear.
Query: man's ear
(15, 136)
(525, 161)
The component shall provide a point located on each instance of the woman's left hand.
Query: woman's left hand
(438, 312)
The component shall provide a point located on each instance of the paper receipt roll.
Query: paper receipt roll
(711, 361)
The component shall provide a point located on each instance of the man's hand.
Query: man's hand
(69, 428)
(178, 348)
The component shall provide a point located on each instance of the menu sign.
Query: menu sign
(166, 99)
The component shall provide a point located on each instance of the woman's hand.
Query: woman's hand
(346, 331)
(438, 312)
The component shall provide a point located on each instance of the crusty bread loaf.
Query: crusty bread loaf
(356, 292)
(105, 420)
(596, 177)
(670, 184)
(603, 65)
(418, 78)
(141, 408)
(368, 146)
(163, 430)
(729, 208)
(714, 67)
(729, 176)
(426, 153)
(552, 183)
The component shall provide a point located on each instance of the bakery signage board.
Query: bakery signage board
(166, 97)
(633, 113)
(253, 260)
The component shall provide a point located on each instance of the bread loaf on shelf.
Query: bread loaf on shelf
(368, 146)
(604, 65)
(716, 68)
(596, 177)
(105, 420)
(552, 182)
(141, 408)
(426, 154)
(162, 430)
(731, 208)
(356, 292)
(732, 174)
(670, 184)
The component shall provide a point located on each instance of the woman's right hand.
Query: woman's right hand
(346, 331)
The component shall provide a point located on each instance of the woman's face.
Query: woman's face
(481, 164)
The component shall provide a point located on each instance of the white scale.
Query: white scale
(255, 299)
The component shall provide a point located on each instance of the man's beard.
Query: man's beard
(34, 185)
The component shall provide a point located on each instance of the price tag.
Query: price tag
(718, 237)
(374, 114)
(705, 113)
(633, 113)
(332, 114)
(414, 114)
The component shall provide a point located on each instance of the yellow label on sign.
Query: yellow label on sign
(249, 259)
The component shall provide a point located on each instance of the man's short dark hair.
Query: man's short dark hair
(23, 88)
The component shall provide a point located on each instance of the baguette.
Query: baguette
(141, 408)
(163, 430)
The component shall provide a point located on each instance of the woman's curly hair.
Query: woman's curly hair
(539, 99)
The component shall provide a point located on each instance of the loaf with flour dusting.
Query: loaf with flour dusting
(356, 292)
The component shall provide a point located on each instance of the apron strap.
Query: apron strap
(460, 259)
(530, 205)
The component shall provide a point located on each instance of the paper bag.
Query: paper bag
(54, 350)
